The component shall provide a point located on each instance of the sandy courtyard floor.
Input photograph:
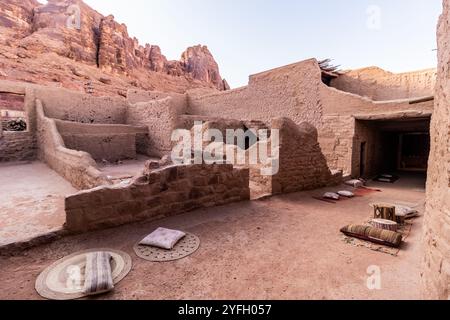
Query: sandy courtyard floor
(126, 170)
(31, 201)
(286, 247)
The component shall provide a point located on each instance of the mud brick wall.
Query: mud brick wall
(74, 106)
(67, 128)
(179, 101)
(109, 147)
(17, 146)
(380, 85)
(367, 132)
(12, 101)
(302, 164)
(169, 191)
(77, 167)
(161, 118)
(290, 91)
(336, 140)
(436, 267)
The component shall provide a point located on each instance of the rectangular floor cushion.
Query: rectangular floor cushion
(98, 274)
(378, 236)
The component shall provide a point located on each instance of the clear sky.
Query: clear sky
(250, 36)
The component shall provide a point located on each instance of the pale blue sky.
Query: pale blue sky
(249, 36)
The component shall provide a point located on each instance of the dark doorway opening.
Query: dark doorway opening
(389, 146)
(414, 149)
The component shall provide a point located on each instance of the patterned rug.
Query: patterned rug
(185, 247)
(404, 230)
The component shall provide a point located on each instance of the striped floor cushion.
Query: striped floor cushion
(98, 275)
(379, 236)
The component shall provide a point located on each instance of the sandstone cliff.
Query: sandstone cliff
(67, 43)
(16, 16)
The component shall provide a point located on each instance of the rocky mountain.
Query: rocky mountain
(67, 43)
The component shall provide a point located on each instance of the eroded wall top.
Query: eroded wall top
(378, 84)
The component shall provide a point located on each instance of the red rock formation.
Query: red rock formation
(201, 65)
(158, 62)
(17, 15)
(60, 27)
(115, 46)
(72, 30)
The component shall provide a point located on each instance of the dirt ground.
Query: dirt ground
(36, 208)
(32, 201)
(126, 170)
(285, 247)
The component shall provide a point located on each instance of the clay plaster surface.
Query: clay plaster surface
(32, 201)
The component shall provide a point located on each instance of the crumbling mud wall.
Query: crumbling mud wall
(75, 166)
(75, 133)
(67, 127)
(302, 164)
(165, 192)
(179, 101)
(436, 273)
(290, 91)
(104, 147)
(161, 119)
(287, 159)
(73, 106)
(336, 140)
(19, 146)
(379, 85)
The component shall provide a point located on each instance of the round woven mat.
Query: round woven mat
(185, 247)
(52, 282)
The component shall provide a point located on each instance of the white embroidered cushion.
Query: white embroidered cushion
(404, 211)
(163, 238)
(331, 195)
(98, 274)
(355, 183)
(347, 194)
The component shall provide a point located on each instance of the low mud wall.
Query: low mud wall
(103, 147)
(68, 105)
(75, 166)
(165, 192)
(302, 163)
(161, 118)
(17, 146)
(103, 141)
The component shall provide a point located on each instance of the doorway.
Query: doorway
(391, 146)
(413, 152)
